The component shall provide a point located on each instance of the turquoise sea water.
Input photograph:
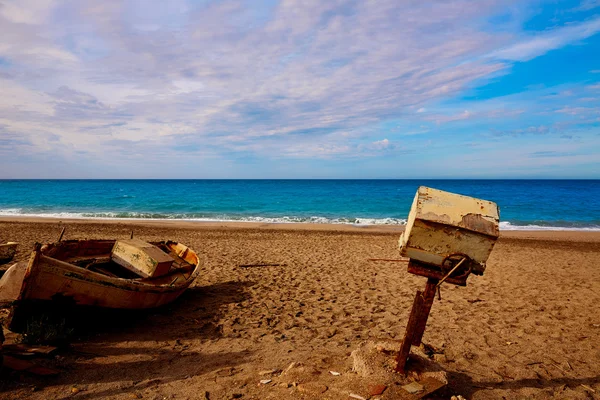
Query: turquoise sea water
(531, 204)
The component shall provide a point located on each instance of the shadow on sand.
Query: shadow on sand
(152, 344)
(461, 383)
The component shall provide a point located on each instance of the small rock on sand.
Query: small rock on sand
(268, 372)
(312, 388)
(376, 390)
(413, 388)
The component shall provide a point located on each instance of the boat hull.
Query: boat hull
(50, 280)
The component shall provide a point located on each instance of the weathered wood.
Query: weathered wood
(142, 258)
(48, 279)
(62, 232)
(442, 223)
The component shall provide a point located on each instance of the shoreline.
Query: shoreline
(545, 234)
(180, 223)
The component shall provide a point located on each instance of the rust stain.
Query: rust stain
(478, 223)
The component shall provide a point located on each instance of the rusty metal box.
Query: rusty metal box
(441, 224)
(144, 259)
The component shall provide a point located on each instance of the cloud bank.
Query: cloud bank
(215, 89)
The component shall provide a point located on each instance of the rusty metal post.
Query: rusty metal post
(428, 297)
(416, 323)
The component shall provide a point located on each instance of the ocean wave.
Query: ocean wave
(15, 212)
(507, 226)
(358, 221)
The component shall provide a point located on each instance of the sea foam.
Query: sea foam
(17, 212)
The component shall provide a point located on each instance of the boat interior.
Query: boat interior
(96, 256)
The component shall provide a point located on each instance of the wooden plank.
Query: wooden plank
(142, 258)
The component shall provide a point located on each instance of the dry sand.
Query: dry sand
(528, 328)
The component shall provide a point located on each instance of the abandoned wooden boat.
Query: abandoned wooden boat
(7, 252)
(123, 274)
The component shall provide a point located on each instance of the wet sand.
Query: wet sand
(528, 328)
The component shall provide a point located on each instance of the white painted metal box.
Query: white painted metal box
(442, 223)
(144, 259)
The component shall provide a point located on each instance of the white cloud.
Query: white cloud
(26, 11)
(466, 114)
(537, 45)
(381, 144)
(299, 79)
(587, 5)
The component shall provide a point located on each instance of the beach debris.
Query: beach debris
(262, 265)
(376, 390)
(457, 397)
(586, 387)
(62, 275)
(141, 258)
(292, 365)
(227, 371)
(473, 301)
(7, 252)
(265, 381)
(312, 388)
(413, 388)
(268, 372)
(389, 259)
(448, 237)
(375, 361)
(357, 397)
(334, 373)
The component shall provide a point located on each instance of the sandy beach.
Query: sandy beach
(528, 328)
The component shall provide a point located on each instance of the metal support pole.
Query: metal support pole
(416, 323)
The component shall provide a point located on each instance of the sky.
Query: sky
(299, 89)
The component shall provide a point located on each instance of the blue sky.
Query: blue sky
(300, 89)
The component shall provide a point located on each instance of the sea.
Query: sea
(524, 204)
